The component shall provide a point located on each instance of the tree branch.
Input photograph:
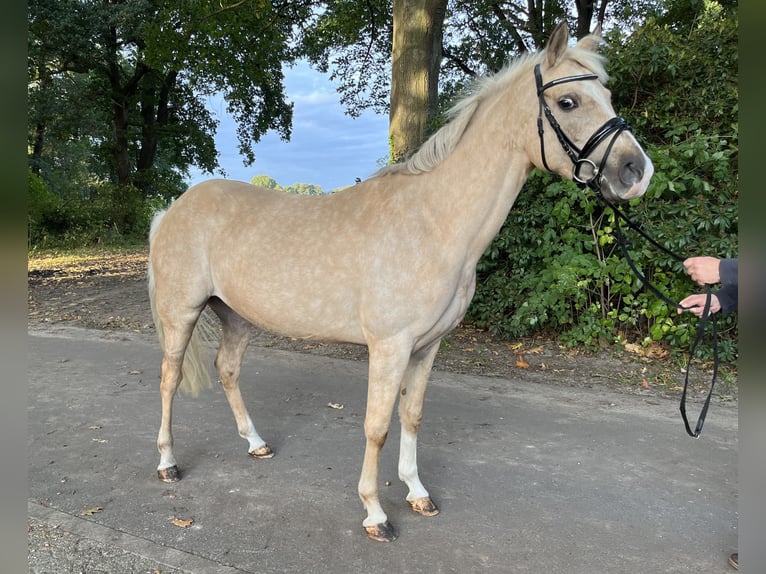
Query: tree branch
(458, 62)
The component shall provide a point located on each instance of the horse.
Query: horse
(395, 268)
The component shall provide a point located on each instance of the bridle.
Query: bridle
(614, 127)
(579, 157)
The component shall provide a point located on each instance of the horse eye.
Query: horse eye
(567, 103)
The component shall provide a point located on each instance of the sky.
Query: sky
(327, 147)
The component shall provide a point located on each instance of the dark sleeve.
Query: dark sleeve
(728, 295)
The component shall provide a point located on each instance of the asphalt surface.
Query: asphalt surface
(529, 477)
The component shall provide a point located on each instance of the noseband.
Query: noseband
(579, 157)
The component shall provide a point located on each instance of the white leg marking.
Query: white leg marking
(408, 465)
(252, 436)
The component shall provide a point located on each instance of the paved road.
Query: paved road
(529, 477)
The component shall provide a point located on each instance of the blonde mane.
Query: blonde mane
(440, 145)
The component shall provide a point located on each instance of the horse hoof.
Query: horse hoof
(262, 452)
(424, 506)
(169, 474)
(381, 532)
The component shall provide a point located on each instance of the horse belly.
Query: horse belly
(299, 310)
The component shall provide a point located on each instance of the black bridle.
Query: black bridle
(579, 157)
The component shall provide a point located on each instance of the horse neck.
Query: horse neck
(475, 187)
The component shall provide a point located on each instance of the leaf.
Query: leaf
(91, 511)
(521, 363)
(335, 405)
(633, 348)
(182, 522)
(645, 383)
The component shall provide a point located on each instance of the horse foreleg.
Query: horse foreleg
(388, 362)
(412, 395)
(228, 362)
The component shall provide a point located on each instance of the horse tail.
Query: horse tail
(196, 371)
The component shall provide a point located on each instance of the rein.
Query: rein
(579, 157)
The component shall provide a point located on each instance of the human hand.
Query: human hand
(695, 304)
(703, 270)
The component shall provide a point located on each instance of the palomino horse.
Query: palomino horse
(395, 267)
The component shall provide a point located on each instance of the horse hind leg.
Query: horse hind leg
(412, 394)
(176, 336)
(234, 341)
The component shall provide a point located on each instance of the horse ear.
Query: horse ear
(591, 41)
(557, 44)
(597, 30)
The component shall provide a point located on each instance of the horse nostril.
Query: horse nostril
(631, 173)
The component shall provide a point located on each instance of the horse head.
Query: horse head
(580, 136)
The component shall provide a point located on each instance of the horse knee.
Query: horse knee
(376, 434)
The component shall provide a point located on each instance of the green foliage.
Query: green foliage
(352, 40)
(116, 101)
(103, 214)
(297, 188)
(555, 268)
(265, 181)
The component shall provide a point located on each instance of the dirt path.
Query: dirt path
(107, 290)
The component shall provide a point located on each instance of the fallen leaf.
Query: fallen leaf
(633, 348)
(94, 427)
(135, 372)
(521, 363)
(645, 383)
(536, 350)
(91, 511)
(335, 405)
(182, 522)
(515, 346)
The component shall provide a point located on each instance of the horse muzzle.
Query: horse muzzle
(625, 179)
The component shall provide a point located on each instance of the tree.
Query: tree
(265, 181)
(416, 57)
(146, 67)
(409, 58)
(297, 188)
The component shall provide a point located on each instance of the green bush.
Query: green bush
(555, 268)
(101, 214)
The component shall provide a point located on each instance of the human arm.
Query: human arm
(728, 294)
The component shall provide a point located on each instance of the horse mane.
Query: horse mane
(441, 144)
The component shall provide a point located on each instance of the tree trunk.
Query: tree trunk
(155, 114)
(585, 16)
(416, 55)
